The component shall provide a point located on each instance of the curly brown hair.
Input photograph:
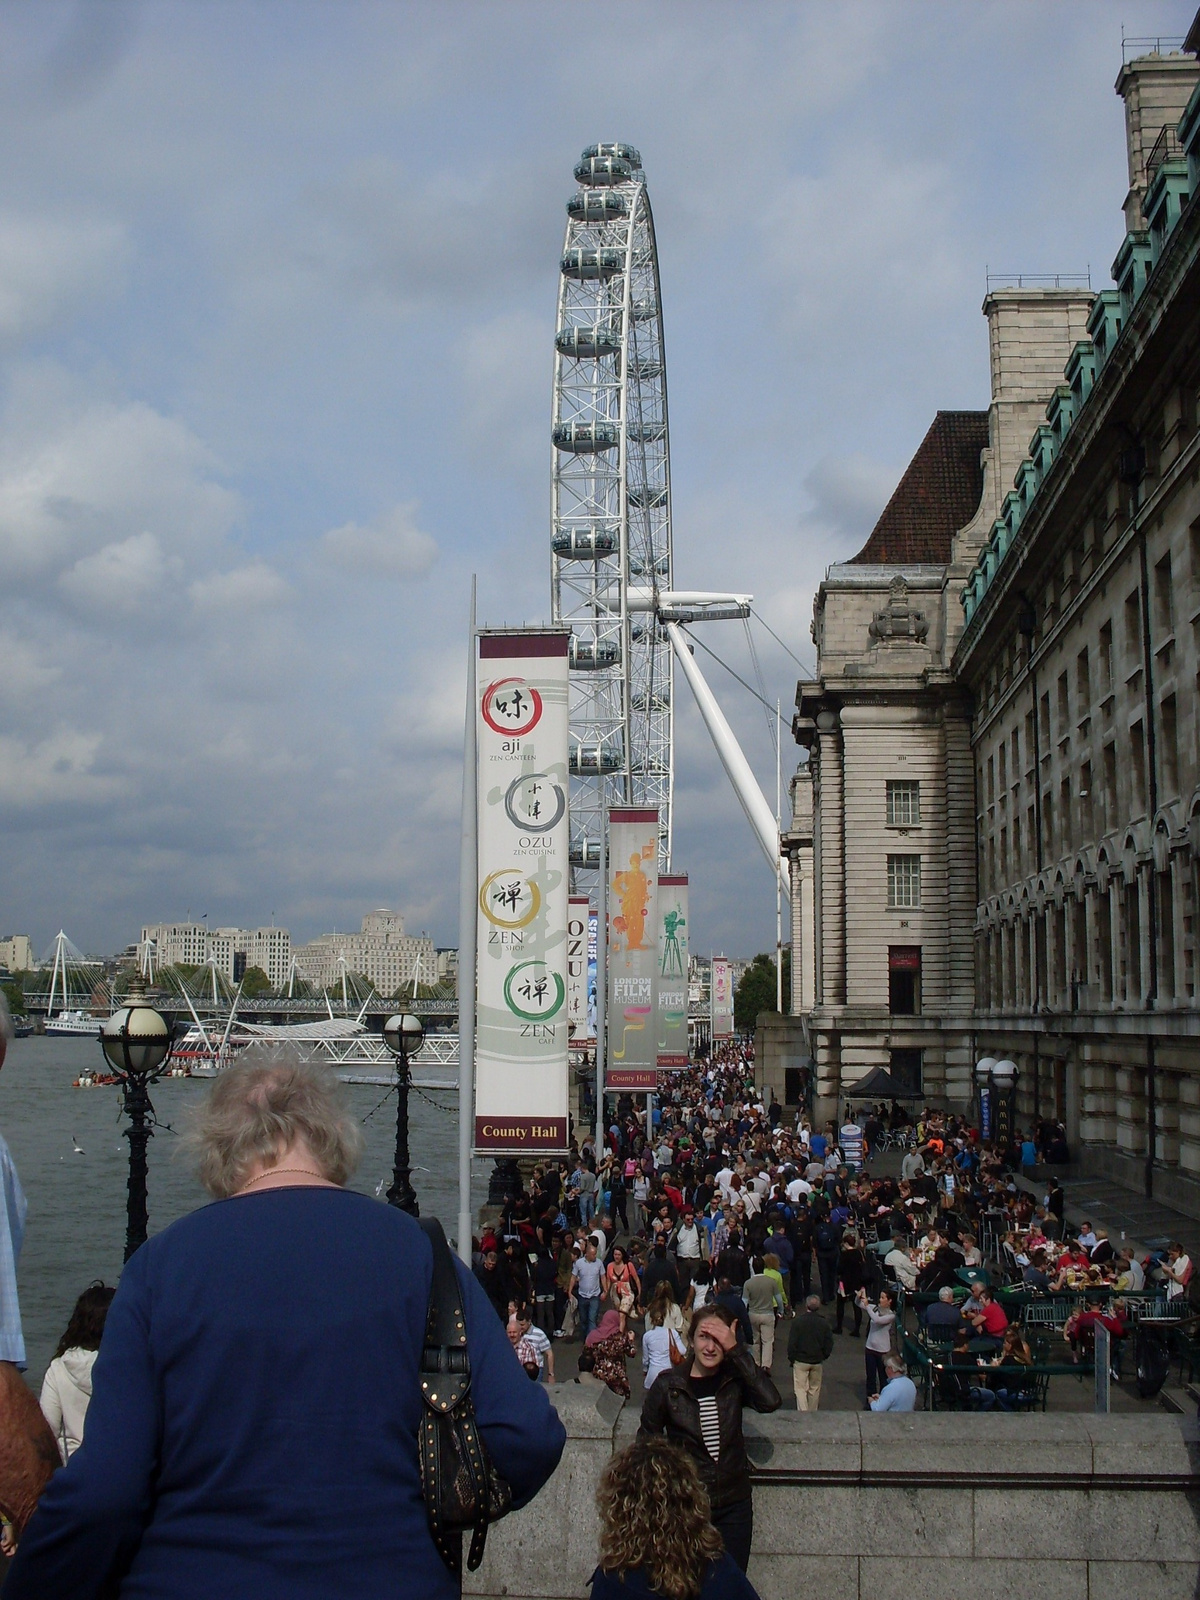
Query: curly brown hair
(654, 1514)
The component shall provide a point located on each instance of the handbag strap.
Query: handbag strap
(445, 1362)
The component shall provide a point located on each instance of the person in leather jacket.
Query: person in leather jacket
(699, 1404)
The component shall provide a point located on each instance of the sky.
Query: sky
(277, 300)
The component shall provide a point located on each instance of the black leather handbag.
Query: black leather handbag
(462, 1488)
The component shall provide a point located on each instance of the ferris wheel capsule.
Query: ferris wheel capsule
(603, 170)
(624, 152)
(597, 206)
(588, 343)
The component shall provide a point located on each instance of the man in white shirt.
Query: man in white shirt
(797, 1187)
(1087, 1235)
(903, 1264)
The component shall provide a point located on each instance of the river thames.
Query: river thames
(75, 1231)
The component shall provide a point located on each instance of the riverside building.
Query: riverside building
(1002, 726)
(382, 953)
(232, 950)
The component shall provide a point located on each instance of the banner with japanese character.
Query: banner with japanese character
(632, 947)
(522, 1032)
(580, 1018)
(721, 998)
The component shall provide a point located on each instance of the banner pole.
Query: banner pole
(778, 879)
(601, 981)
(468, 873)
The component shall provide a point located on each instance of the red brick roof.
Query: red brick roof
(938, 494)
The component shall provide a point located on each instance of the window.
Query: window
(1137, 741)
(904, 803)
(1064, 816)
(1164, 609)
(904, 882)
(1016, 756)
(904, 980)
(1110, 786)
(1085, 801)
(991, 783)
(1169, 741)
(1045, 728)
(1106, 661)
(1003, 778)
(1133, 629)
(1064, 706)
(1083, 682)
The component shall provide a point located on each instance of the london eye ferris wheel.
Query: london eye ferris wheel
(611, 506)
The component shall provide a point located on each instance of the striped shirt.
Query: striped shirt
(710, 1425)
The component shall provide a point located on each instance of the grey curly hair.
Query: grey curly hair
(259, 1107)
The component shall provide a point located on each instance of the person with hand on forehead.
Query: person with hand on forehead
(699, 1405)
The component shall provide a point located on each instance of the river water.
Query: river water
(76, 1227)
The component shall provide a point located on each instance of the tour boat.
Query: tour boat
(76, 1023)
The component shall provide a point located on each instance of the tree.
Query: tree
(254, 983)
(15, 996)
(755, 992)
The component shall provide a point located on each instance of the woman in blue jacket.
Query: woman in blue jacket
(253, 1426)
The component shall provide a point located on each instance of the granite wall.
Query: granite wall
(850, 1506)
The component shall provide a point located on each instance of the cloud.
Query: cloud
(122, 577)
(50, 266)
(390, 547)
(256, 587)
(58, 768)
(75, 478)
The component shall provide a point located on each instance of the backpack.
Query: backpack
(826, 1238)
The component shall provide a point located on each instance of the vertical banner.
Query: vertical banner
(672, 997)
(593, 936)
(521, 1040)
(580, 1021)
(721, 997)
(632, 947)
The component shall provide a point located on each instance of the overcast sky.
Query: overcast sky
(277, 295)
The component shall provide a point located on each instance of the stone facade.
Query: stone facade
(1081, 654)
(1037, 673)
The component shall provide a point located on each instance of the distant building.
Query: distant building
(382, 953)
(233, 950)
(16, 953)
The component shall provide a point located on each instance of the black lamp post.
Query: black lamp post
(136, 1042)
(403, 1034)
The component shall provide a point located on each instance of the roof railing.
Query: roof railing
(1133, 46)
(1165, 148)
(1039, 280)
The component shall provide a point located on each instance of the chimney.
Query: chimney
(1155, 89)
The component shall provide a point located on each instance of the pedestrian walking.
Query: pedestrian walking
(810, 1345)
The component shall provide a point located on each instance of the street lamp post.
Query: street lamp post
(983, 1083)
(136, 1042)
(403, 1034)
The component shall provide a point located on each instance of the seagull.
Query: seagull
(75, 1145)
(379, 1186)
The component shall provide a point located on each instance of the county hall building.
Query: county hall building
(999, 818)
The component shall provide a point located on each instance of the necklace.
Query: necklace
(274, 1172)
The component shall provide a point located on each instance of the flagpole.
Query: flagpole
(468, 873)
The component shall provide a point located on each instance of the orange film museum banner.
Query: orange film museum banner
(632, 947)
(521, 1038)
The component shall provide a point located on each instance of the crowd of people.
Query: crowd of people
(722, 1199)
